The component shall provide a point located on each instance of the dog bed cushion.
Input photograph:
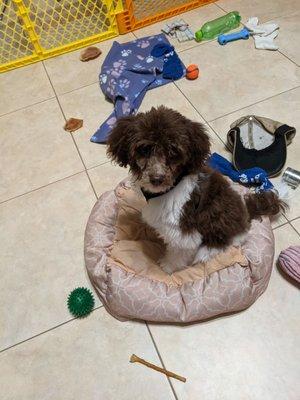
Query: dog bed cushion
(122, 253)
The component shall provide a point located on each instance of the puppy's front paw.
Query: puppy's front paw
(168, 266)
(205, 254)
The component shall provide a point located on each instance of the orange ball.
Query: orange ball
(192, 72)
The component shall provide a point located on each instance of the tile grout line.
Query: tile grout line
(281, 16)
(72, 136)
(161, 360)
(98, 165)
(29, 105)
(215, 3)
(133, 33)
(253, 104)
(243, 24)
(267, 20)
(86, 172)
(41, 187)
(293, 219)
(87, 169)
(287, 223)
(206, 122)
(204, 41)
(290, 14)
(280, 226)
(80, 87)
(49, 98)
(193, 47)
(298, 233)
(52, 183)
(46, 331)
(284, 55)
(197, 44)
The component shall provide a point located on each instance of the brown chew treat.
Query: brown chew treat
(73, 124)
(90, 53)
(135, 358)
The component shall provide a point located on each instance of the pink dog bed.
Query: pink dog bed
(121, 256)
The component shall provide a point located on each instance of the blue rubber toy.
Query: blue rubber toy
(242, 34)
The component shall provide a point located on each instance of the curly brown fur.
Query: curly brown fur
(265, 203)
(215, 210)
(160, 145)
(202, 214)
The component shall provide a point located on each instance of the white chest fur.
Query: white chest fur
(163, 214)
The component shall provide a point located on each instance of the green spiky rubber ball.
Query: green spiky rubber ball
(81, 302)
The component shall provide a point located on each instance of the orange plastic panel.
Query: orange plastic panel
(140, 13)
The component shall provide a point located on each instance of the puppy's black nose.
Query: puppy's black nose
(157, 180)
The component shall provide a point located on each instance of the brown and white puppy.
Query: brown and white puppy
(192, 208)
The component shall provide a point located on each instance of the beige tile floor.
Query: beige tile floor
(49, 181)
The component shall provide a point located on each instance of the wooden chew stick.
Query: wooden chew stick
(135, 358)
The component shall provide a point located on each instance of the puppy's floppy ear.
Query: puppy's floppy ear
(119, 140)
(199, 148)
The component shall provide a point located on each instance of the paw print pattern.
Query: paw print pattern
(103, 78)
(115, 74)
(243, 178)
(117, 69)
(126, 53)
(168, 55)
(111, 86)
(257, 178)
(111, 122)
(143, 44)
(137, 66)
(149, 59)
(126, 107)
(124, 83)
(119, 66)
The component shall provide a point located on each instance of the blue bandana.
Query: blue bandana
(256, 177)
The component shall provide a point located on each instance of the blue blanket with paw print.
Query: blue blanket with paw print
(132, 68)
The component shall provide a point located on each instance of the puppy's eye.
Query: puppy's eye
(174, 153)
(144, 151)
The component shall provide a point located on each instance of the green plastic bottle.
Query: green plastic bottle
(212, 29)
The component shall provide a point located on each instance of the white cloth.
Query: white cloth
(179, 29)
(263, 34)
(266, 42)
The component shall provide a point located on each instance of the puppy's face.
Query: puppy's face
(157, 166)
(159, 146)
